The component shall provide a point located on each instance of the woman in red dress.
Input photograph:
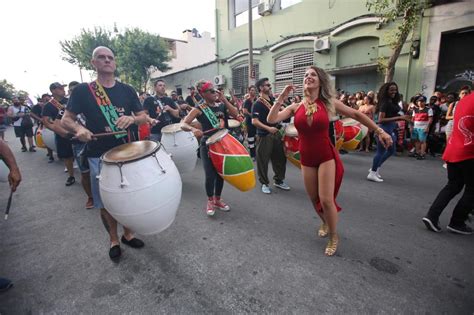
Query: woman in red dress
(321, 166)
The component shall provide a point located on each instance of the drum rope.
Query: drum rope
(156, 158)
(122, 182)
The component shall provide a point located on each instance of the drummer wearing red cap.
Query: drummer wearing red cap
(213, 115)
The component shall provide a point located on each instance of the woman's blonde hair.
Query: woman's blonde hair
(326, 90)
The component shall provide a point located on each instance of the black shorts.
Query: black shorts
(20, 131)
(64, 148)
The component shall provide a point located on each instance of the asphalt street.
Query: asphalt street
(262, 257)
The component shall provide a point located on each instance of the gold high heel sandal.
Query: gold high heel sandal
(323, 230)
(331, 248)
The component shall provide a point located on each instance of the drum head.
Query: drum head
(130, 152)
(291, 131)
(217, 136)
(171, 128)
(233, 123)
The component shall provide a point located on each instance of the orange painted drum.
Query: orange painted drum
(231, 160)
(291, 144)
(39, 138)
(354, 132)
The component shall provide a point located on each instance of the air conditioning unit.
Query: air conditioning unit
(265, 7)
(219, 79)
(322, 44)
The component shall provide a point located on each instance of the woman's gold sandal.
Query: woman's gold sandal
(331, 248)
(323, 230)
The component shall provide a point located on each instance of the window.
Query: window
(288, 3)
(241, 14)
(240, 79)
(290, 68)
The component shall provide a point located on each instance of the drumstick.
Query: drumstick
(8, 205)
(105, 134)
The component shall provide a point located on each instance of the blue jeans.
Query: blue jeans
(94, 166)
(383, 154)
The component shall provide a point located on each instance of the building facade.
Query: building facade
(342, 37)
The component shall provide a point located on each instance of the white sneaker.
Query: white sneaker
(373, 177)
(376, 172)
(266, 189)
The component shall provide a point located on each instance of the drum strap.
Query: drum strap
(210, 115)
(265, 102)
(56, 104)
(106, 107)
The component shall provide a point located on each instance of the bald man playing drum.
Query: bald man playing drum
(107, 106)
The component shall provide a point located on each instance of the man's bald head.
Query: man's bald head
(99, 49)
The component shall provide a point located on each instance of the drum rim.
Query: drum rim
(171, 132)
(105, 161)
(224, 133)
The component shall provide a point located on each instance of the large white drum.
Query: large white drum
(182, 146)
(140, 186)
(49, 139)
(4, 171)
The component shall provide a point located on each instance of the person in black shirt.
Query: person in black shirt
(125, 101)
(214, 182)
(269, 142)
(251, 130)
(389, 112)
(161, 108)
(52, 113)
(193, 96)
(36, 113)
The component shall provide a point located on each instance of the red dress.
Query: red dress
(315, 145)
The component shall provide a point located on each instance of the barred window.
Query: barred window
(290, 68)
(240, 79)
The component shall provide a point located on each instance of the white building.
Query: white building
(194, 50)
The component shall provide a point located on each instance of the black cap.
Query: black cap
(56, 85)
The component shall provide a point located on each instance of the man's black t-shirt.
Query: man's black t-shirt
(190, 101)
(121, 95)
(221, 113)
(390, 109)
(154, 105)
(248, 106)
(260, 111)
(49, 110)
(37, 109)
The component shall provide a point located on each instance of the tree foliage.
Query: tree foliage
(78, 51)
(406, 13)
(137, 52)
(7, 90)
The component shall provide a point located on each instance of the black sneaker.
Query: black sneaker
(460, 229)
(432, 225)
(70, 180)
(420, 157)
(24, 149)
(32, 149)
(51, 160)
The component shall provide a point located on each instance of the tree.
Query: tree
(7, 90)
(406, 13)
(137, 52)
(78, 51)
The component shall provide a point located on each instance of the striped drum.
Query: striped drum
(231, 160)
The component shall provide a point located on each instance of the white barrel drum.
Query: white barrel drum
(140, 186)
(49, 139)
(4, 171)
(182, 146)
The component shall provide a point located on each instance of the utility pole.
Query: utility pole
(251, 71)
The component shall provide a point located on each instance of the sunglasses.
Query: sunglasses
(212, 91)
